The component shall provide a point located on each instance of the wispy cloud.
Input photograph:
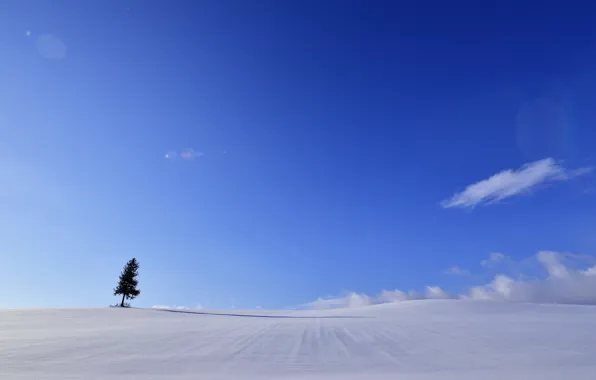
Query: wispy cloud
(493, 258)
(562, 278)
(509, 183)
(457, 271)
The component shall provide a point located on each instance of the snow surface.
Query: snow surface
(412, 340)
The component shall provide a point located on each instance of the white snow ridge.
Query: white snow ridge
(410, 340)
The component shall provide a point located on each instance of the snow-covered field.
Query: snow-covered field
(413, 340)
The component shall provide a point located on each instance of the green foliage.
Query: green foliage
(128, 282)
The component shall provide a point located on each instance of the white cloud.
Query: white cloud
(165, 307)
(493, 258)
(457, 271)
(435, 292)
(566, 278)
(387, 296)
(509, 183)
(552, 263)
(562, 284)
(352, 300)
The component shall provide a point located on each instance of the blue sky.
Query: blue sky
(334, 147)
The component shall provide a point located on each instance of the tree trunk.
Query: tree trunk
(122, 303)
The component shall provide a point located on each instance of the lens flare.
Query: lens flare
(187, 154)
(190, 154)
(171, 155)
(51, 47)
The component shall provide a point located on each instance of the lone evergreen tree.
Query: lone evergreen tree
(127, 285)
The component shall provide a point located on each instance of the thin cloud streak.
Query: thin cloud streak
(457, 271)
(509, 183)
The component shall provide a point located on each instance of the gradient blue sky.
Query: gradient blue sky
(333, 135)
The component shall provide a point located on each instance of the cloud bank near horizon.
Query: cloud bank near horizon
(565, 278)
(166, 307)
